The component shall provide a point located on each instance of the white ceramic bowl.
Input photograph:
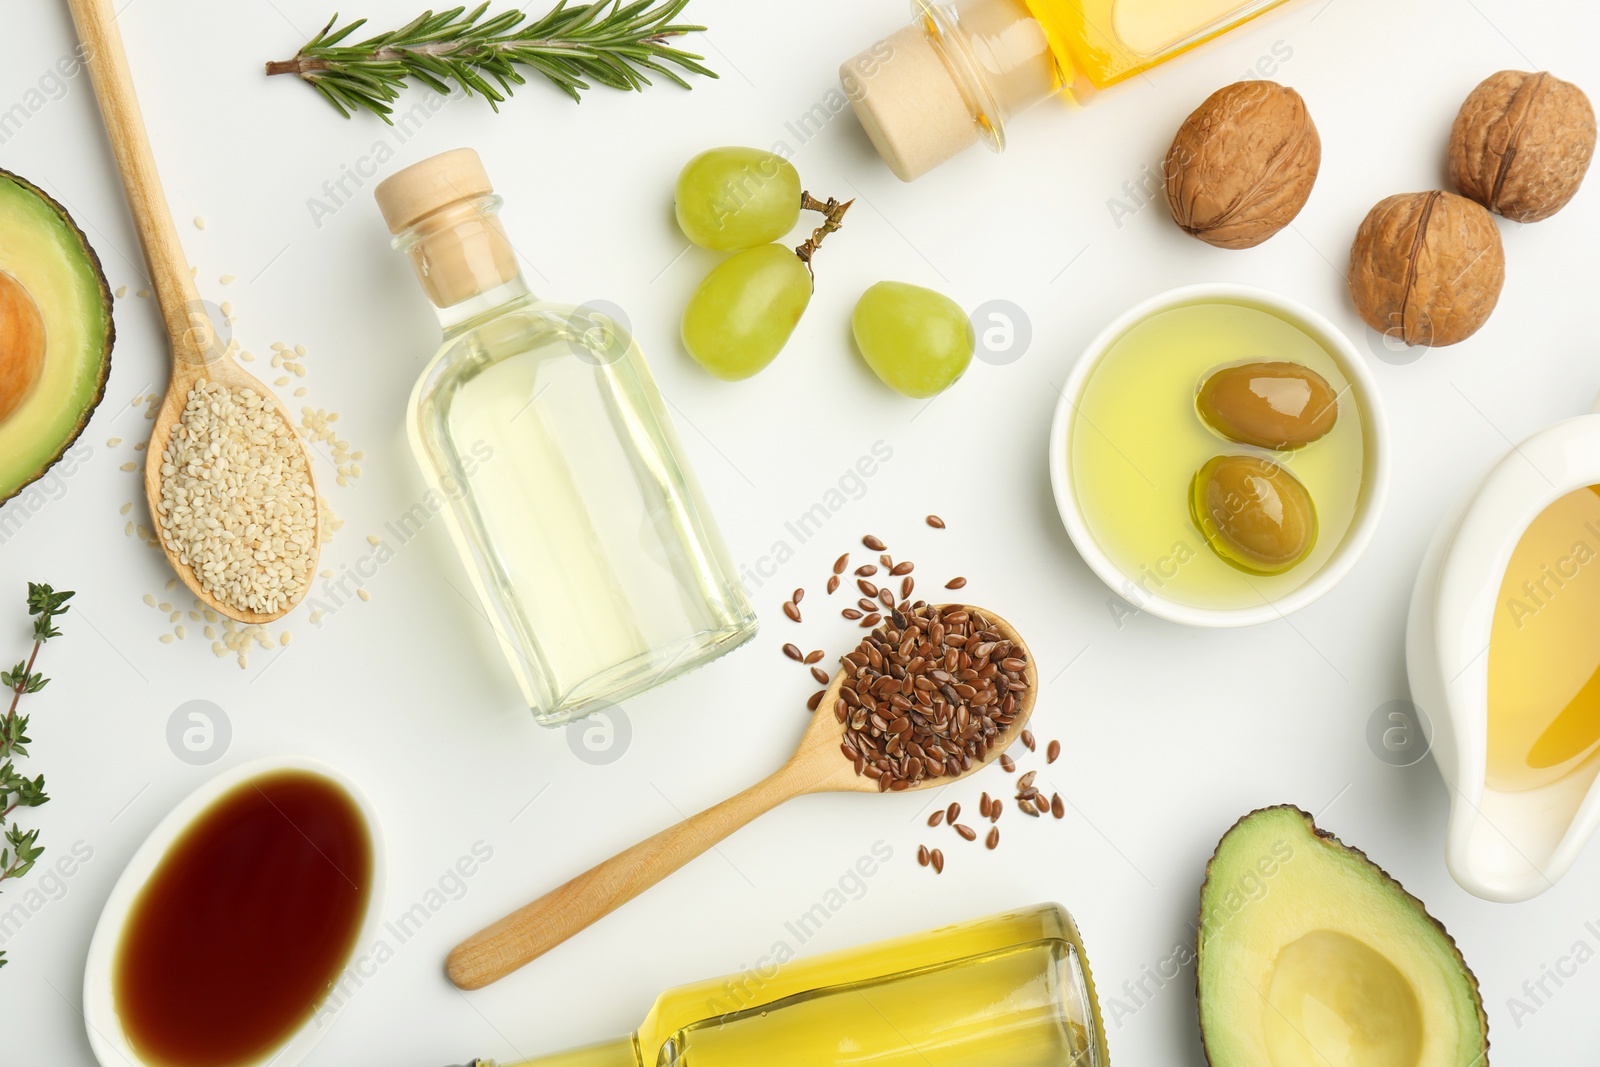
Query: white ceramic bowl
(1369, 502)
(106, 1036)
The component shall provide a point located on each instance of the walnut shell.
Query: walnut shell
(1426, 268)
(1242, 165)
(1522, 143)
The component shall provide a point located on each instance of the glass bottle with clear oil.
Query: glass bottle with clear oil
(541, 432)
(1011, 989)
(961, 69)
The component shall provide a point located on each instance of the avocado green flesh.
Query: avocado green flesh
(48, 256)
(1311, 956)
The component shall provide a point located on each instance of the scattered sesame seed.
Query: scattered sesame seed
(143, 294)
(211, 632)
(166, 639)
(122, 291)
(199, 222)
(226, 279)
(127, 531)
(300, 391)
(172, 583)
(130, 466)
(181, 632)
(164, 606)
(148, 599)
(284, 638)
(363, 594)
(113, 442)
(124, 509)
(175, 616)
(300, 350)
(374, 540)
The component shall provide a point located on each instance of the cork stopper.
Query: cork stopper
(444, 208)
(423, 188)
(909, 102)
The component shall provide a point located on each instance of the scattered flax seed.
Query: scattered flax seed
(821, 676)
(937, 859)
(936, 522)
(791, 610)
(1057, 807)
(995, 808)
(833, 584)
(993, 839)
(793, 652)
(873, 543)
(1053, 753)
(1007, 764)
(967, 833)
(1027, 739)
(113, 442)
(130, 466)
(851, 613)
(952, 813)
(956, 583)
(936, 818)
(841, 563)
(815, 701)
(814, 656)
(799, 595)
(983, 805)
(922, 855)
(363, 594)
(866, 570)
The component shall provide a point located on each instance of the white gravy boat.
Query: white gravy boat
(1502, 846)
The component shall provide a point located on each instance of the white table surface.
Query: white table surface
(1169, 734)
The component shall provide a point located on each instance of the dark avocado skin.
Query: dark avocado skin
(106, 346)
(1324, 837)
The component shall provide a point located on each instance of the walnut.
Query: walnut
(1426, 268)
(1522, 143)
(1242, 165)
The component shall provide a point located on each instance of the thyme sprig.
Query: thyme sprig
(22, 848)
(607, 41)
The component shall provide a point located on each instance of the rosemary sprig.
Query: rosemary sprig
(606, 41)
(21, 848)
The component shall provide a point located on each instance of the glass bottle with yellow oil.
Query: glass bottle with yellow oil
(1012, 989)
(548, 448)
(962, 69)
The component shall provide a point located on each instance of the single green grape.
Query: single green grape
(741, 315)
(733, 198)
(918, 341)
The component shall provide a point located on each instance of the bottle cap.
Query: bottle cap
(423, 188)
(909, 102)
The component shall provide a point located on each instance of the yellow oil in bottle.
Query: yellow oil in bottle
(1544, 649)
(1137, 442)
(1013, 989)
(1098, 43)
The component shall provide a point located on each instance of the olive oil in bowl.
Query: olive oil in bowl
(1132, 440)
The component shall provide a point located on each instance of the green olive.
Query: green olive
(1270, 405)
(1253, 513)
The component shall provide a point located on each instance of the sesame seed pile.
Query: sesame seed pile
(236, 499)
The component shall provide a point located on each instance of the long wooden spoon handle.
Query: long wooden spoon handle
(536, 928)
(130, 144)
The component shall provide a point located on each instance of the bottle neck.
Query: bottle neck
(998, 54)
(463, 259)
(622, 1052)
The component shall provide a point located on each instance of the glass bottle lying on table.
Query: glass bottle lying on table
(1011, 990)
(541, 429)
(962, 69)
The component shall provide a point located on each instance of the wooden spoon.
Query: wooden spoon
(196, 352)
(817, 766)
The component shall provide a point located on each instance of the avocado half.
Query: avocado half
(56, 332)
(1310, 955)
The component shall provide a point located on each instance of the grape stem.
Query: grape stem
(833, 211)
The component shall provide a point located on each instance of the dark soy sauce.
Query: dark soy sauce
(246, 923)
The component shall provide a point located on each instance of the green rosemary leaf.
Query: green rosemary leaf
(606, 42)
